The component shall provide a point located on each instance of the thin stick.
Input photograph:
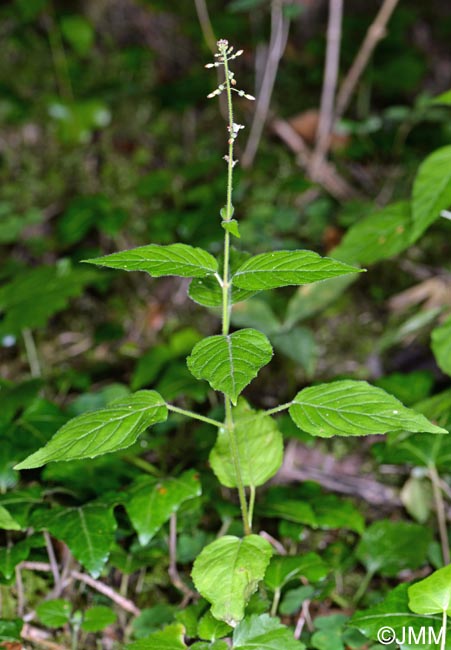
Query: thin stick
(53, 563)
(332, 63)
(38, 637)
(205, 24)
(124, 603)
(276, 48)
(173, 571)
(277, 545)
(375, 33)
(303, 617)
(440, 512)
(32, 353)
(20, 593)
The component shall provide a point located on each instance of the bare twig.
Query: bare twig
(20, 592)
(125, 603)
(205, 24)
(277, 42)
(440, 512)
(35, 566)
(326, 115)
(53, 563)
(304, 617)
(274, 542)
(39, 637)
(173, 571)
(375, 33)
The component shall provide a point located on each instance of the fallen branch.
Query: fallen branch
(39, 637)
(124, 603)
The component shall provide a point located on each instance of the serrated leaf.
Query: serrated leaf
(229, 363)
(11, 556)
(265, 633)
(346, 408)
(389, 547)
(441, 345)
(97, 618)
(153, 503)
(54, 613)
(378, 236)
(87, 531)
(231, 226)
(101, 432)
(171, 638)
(433, 594)
(284, 569)
(260, 447)
(284, 268)
(6, 521)
(431, 190)
(175, 259)
(227, 573)
(210, 629)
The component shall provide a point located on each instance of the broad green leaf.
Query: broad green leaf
(229, 363)
(206, 645)
(154, 502)
(441, 345)
(78, 32)
(12, 555)
(256, 313)
(409, 387)
(431, 190)
(329, 634)
(115, 427)
(260, 447)
(10, 629)
(282, 570)
(284, 268)
(55, 286)
(6, 521)
(433, 594)
(377, 237)
(332, 511)
(264, 633)
(153, 618)
(54, 613)
(293, 598)
(87, 531)
(210, 629)
(417, 498)
(171, 638)
(227, 573)
(298, 344)
(97, 618)
(393, 612)
(443, 98)
(175, 259)
(389, 547)
(346, 408)
(310, 299)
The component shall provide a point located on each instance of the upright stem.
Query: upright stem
(444, 623)
(440, 512)
(226, 303)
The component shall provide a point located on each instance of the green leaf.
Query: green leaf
(389, 547)
(293, 599)
(55, 286)
(433, 594)
(431, 190)
(11, 556)
(284, 268)
(393, 612)
(260, 448)
(377, 237)
(7, 522)
(101, 432)
(349, 407)
(175, 259)
(154, 502)
(441, 345)
(87, 531)
(171, 638)
(97, 618)
(264, 633)
(78, 32)
(444, 98)
(227, 573)
(229, 363)
(232, 227)
(284, 569)
(10, 629)
(54, 613)
(210, 629)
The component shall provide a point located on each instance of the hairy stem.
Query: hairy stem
(226, 299)
(195, 416)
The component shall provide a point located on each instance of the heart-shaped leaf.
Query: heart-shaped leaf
(431, 190)
(54, 613)
(346, 408)
(284, 268)
(228, 571)
(260, 448)
(175, 259)
(441, 345)
(284, 569)
(229, 363)
(265, 633)
(100, 432)
(433, 594)
(153, 503)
